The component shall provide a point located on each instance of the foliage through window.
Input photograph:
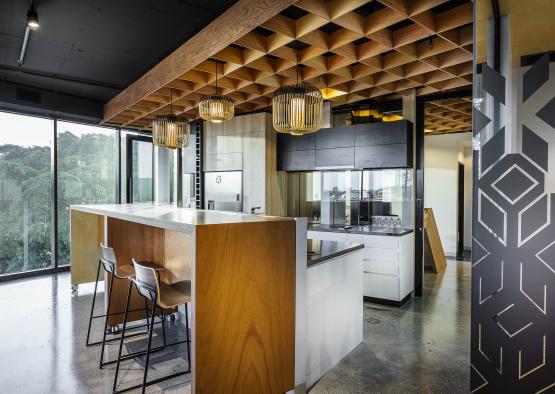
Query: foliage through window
(87, 158)
(25, 193)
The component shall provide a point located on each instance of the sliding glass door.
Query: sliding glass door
(139, 169)
(25, 193)
(87, 173)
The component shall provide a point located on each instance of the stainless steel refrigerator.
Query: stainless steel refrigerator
(223, 191)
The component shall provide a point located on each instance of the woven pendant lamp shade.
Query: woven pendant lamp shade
(170, 131)
(297, 109)
(216, 108)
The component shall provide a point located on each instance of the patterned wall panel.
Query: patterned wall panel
(513, 262)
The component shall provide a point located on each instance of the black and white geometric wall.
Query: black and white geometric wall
(513, 262)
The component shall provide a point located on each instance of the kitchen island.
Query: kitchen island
(271, 311)
(248, 283)
(334, 304)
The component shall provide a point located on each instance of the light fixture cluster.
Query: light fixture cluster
(297, 109)
(172, 131)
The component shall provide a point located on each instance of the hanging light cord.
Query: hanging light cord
(216, 63)
(297, 64)
(171, 101)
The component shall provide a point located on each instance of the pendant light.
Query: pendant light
(216, 107)
(297, 108)
(170, 131)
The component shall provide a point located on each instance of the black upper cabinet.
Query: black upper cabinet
(381, 156)
(382, 133)
(296, 160)
(335, 157)
(365, 146)
(337, 137)
(287, 142)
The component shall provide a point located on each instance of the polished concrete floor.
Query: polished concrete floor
(42, 336)
(422, 347)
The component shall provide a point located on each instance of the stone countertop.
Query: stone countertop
(171, 217)
(368, 230)
(321, 251)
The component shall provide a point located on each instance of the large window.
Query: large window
(87, 165)
(25, 193)
(87, 161)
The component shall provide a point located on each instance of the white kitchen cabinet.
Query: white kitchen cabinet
(223, 162)
(223, 146)
(247, 143)
(388, 263)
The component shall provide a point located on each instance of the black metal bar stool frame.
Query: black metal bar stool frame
(152, 296)
(110, 269)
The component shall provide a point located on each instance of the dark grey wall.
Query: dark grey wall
(513, 252)
(31, 100)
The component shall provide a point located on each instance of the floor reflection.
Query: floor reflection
(423, 347)
(42, 347)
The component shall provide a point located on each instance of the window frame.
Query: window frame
(54, 266)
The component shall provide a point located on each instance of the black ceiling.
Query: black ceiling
(95, 48)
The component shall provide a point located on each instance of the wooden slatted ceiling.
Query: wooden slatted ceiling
(357, 49)
(448, 116)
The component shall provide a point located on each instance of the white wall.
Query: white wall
(441, 156)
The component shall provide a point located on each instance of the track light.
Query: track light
(32, 17)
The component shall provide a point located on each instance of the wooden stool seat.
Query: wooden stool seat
(171, 296)
(127, 271)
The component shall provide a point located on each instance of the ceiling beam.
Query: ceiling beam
(233, 24)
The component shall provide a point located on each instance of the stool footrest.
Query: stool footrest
(140, 353)
(151, 382)
(127, 336)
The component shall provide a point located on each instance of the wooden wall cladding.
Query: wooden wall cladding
(169, 249)
(245, 308)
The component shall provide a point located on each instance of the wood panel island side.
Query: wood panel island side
(248, 281)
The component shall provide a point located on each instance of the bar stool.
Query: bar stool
(162, 296)
(108, 262)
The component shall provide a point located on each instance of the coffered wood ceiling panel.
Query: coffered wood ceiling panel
(448, 116)
(355, 49)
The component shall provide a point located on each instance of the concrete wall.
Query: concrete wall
(442, 153)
